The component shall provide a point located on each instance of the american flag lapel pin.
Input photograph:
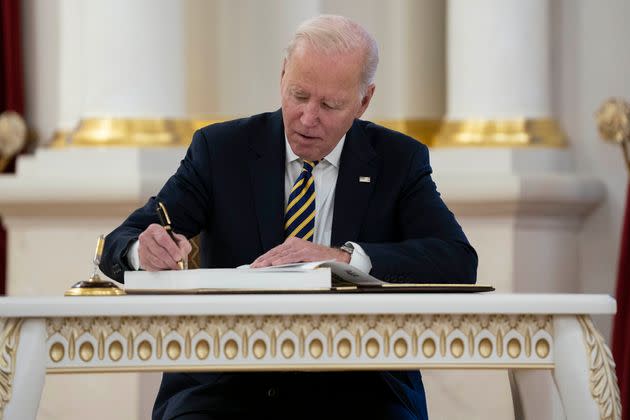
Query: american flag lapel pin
(365, 179)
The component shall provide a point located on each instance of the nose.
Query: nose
(310, 114)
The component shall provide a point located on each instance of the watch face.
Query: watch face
(347, 248)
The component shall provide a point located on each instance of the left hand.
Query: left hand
(295, 250)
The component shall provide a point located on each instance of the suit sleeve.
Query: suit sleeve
(187, 196)
(432, 246)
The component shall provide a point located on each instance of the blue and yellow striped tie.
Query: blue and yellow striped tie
(299, 218)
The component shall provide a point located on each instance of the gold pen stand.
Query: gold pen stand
(95, 286)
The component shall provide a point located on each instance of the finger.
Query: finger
(278, 252)
(305, 252)
(262, 260)
(150, 262)
(157, 248)
(184, 244)
(154, 257)
(164, 240)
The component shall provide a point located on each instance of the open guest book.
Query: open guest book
(311, 277)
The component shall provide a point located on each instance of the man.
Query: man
(309, 182)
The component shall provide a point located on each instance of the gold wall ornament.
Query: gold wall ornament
(421, 129)
(13, 135)
(128, 132)
(161, 132)
(519, 132)
(9, 342)
(603, 380)
(613, 124)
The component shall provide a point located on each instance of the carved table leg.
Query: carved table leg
(22, 367)
(584, 370)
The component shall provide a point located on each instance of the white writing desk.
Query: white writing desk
(54, 335)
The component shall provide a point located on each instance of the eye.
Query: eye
(327, 105)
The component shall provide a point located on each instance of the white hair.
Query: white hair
(338, 34)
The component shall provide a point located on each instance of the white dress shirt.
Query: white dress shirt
(325, 175)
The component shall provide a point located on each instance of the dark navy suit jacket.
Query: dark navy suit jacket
(230, 188)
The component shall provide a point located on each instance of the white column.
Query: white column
(498, 59)
(113, 59)
(236, 60)
(410, 81)
(132, 58)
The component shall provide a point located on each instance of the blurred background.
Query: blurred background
(106, 96)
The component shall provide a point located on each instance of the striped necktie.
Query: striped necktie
(299, 218)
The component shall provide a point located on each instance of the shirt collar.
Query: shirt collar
(333, 157)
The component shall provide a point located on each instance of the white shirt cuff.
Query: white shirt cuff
(359, 259)
(133, 259)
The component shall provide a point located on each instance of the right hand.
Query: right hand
(157, 251)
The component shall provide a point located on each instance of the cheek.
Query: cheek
(290, 109)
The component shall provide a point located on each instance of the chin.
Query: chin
(305, 151)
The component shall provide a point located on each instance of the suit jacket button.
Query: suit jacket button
(272, 392)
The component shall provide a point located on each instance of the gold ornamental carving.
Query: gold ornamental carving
(161, 132)
(409, 339)
(13, 134)
(613, 124)
(603, 381)
(9, 341)
(520, 132)
(155, 132)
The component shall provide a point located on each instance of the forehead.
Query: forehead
(315, 71)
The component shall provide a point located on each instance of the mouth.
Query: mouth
(306, 137)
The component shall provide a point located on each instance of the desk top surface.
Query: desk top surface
(308, 304)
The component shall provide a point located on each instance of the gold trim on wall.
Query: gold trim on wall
(121, 132)
(106, 132)
(423, 130)
(519, 132)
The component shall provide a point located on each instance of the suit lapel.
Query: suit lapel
(359, 162)
(267, 167)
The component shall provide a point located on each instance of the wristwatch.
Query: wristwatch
(347, 247)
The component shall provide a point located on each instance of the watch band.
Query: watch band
(347, 247)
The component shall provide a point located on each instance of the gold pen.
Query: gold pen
(165, 221)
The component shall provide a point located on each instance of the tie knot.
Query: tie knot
(309, 165)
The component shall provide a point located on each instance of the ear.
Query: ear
(284, 65)
(365, 101)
